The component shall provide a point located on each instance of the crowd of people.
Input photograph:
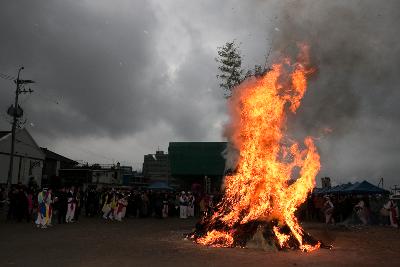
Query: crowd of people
(45, 207)
(354, 209)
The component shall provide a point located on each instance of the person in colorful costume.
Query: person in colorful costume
(121, 208)
(41, 211)
(48, 201)
(109, 206)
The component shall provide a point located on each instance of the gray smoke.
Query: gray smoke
(350, 105)
(355, 46)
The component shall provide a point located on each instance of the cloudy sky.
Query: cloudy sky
(117, 79)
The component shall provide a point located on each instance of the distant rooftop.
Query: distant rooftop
(4, 133)
(52, 155)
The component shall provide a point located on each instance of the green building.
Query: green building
(198, 163)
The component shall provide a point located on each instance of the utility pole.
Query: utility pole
(15, 115)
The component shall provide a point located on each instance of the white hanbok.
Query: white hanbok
(183, 207)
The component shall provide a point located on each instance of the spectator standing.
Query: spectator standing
(41, 211)
(165, 208)
(361, 211)
(21, 204)
(190, 207)
(29, 197)
(70, 206)
(328, 210)
(48, 201)
(183, 204)
(393, 210)
(62, 205)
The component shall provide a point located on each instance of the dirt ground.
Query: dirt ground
(157, 242)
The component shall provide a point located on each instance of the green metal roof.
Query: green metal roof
(197, 158)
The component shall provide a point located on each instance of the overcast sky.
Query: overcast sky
(117, 79)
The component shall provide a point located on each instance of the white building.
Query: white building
(106, 176)
(28, 158)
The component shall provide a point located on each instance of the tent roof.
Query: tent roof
(52, 155)
(159, 186)
(363, 187)
(4, 133)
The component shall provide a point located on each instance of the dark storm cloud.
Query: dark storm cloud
(129, 76)
(95, 62)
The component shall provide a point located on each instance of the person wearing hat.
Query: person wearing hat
(183, 205)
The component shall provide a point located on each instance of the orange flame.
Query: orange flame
(263, 187)
(216, 238)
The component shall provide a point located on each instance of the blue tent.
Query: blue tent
(340, 188)
(159, 186)
(365, 188)
(349, 188)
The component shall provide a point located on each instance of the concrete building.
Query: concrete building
(100, 174)
(134, 179)
(156, 167)
(107, 174)
(28, 158)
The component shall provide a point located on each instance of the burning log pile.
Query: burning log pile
(255, 234)
(274, 173)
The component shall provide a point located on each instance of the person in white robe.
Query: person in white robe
(183, 205)
(71, 206)
(328, 210)
(362, 212)
(190, 207)
(393, 210)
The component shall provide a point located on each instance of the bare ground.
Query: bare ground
(156, 242)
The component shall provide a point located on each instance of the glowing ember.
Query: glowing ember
(274, 174)
(217, 239)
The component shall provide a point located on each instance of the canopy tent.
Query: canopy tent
(349, 188)
(365, 188)
(159, 186)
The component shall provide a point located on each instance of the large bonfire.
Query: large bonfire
(274, 173)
